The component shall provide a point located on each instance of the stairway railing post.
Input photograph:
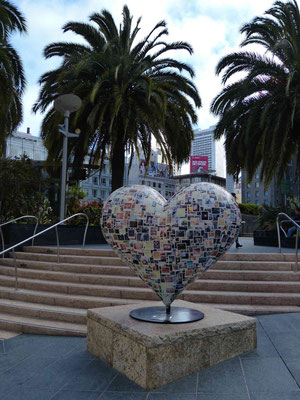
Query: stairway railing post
(16, 270)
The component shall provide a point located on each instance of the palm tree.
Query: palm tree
(260, 112)
(130, 91)
(12, 80)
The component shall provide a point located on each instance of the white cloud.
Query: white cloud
(211, 27)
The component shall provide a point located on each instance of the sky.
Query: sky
(210, 26)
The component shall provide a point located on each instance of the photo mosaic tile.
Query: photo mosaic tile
(170, 244)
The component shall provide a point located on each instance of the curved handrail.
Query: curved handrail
(279, 227)
(17, 219)
(40, 233)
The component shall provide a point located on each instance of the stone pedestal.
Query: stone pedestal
(153, 355)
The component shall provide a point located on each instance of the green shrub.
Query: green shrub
(267, 220)
(73, 197)
(252, 209)
(92, 209)
(21, 191)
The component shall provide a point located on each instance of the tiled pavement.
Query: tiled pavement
(248, 247)
(34, 367)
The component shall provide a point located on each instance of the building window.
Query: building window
(143, 182)
(103, 181)
(257, 184)
(256, 202)
(256, 194)
(257, 176)
(95, 180)
(159, 185)
(248, 195)
(95, 193)
(266, 193)
(154, 184)
(248, 186)
(103, 193)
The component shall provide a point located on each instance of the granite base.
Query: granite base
(153, 355)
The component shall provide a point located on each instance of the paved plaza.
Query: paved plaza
(248, 247)
(36, 367)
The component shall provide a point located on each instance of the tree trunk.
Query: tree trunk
(118, 164)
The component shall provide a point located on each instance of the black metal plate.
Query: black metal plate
(177, 315)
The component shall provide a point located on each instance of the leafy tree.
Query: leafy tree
(73, 197)
(22, 193)
(130, 90)
(12, 79)
(260, 111)
(251, 209)
(93, 209)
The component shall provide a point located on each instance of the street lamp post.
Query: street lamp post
(66, 103)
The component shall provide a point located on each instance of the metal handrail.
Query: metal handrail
(279, 227)
(40, 233)
(17, 219)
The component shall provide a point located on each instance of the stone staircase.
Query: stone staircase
(53, 297)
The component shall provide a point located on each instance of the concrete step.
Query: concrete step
(74, 259)
(43, 311)
(281, 276)
(280, 264)
(81, 288)
(291, 286)
(6, 334)
(92, 302)
(51, 294)
(130, 281)
(137, 294)
(66, 264)
(110, 253)
(258, 257)
(220, 271)
(18, 323)
(252, 298)
(245, 286)
(65, 300)
(67, 267)
(70, 251)
(254, 265)
(246, 309)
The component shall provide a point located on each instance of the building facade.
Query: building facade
(21, 143)
(98, 185)
(255, 192)
(204, 144)
(157, 175)
(188, 179)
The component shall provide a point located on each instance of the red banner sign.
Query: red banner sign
(198, 164)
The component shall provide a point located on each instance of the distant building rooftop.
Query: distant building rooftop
(199, 177)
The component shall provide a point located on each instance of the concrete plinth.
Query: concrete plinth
(153, 355)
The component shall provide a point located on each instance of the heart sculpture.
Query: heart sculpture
(169, 244)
